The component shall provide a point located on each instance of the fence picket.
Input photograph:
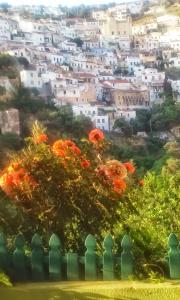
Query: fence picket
(174, 257)
(108, 259)
(90, 258)
(4, 257)
(37, 259)
(72, 266)
(19, 259)
(126, 258)
(55, 258)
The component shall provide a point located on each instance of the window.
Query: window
(32, 82)
(64, 92)
(31, 74)
(112, 32)
(74, 92)
(103, 121)
(98, 121)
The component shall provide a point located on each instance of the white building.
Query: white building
(69, 46)
(132, 63)
(100, 121)
(175, 84)
(31, 79)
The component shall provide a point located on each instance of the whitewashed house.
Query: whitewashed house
(31, 79)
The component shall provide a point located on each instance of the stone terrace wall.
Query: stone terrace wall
(9, 121)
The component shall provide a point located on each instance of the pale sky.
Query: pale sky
(60, 2)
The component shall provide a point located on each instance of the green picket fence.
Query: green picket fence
(40, 266)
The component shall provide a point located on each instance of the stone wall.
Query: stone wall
(9, 121)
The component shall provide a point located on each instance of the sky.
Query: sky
(60, 2)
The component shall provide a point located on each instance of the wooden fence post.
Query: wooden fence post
(72, 266)
(55, 258)
(19, 259)
(90, 258)
(126, 258)
(108, 259)
(4, 256)
(174, 257)
(37, 259)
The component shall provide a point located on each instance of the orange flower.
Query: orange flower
(42, 138)
(15, 165)
(115, 169)
(129, 167)
(141, 182)
(119, 185)
(96, 135)
(59, 148)
(5, 180)
(85, 163)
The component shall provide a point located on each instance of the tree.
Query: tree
(142, 121)
(168, 88)
(23, 61)
(166, 115)
(7, 60)
(78, 41)
(24, 101)
(173, 73)
(124, 126)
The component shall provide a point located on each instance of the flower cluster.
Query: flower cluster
(77, 165)
(62, 148)
(16, 177)
(116, 173)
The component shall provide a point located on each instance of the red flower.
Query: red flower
(42, 138)
(85, 163)
(129, 167)
(119, 185)
(69, 143)
(96, 135)
(76, 150)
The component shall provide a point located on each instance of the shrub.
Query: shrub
(4, 280)
(67, 188)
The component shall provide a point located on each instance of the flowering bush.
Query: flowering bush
(64, 186)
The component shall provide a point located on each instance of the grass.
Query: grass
(128, 290)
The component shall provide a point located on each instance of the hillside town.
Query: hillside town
(106, 66)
